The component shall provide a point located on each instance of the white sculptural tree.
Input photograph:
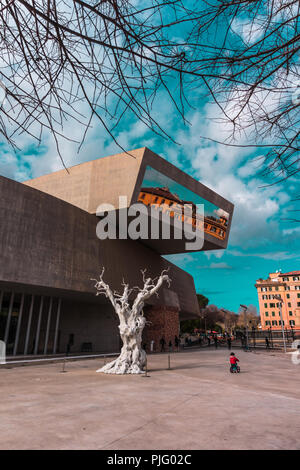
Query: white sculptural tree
(132, 358)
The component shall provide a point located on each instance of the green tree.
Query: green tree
(202, 300)
(188, 326)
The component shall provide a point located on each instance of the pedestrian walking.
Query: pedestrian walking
(216, 341)
(229, 342)
(267, 343)
(162, 344)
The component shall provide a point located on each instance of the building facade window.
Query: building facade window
(18, 313)
(274, 322)
(290, 313)
(292, 322)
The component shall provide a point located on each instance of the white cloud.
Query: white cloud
(250, 168)
(226, 170)
(276, 256)
(214, 254)
(249, 30)
(291, 231)
(220, 266)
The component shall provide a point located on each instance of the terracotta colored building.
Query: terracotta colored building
(163, 199)
(287, 285)
(50, 251)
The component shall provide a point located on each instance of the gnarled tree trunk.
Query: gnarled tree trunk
(132, 358)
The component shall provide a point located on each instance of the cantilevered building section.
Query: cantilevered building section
(50, 252)
(287, 286)
(102, 181)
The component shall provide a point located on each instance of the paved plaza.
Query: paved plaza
(197, 404)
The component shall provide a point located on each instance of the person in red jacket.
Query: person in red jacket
(233, 361)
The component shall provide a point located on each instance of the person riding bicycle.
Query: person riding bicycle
(233, 361)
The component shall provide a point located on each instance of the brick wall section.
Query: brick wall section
(164, 322)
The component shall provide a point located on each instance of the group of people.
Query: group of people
(215, 339)
(176, 343)
(208, 338)
(163, 344)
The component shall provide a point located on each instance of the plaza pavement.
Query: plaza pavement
(197, 404)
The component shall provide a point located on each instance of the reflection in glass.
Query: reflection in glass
(168, 196)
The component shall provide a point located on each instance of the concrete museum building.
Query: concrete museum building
(50, 252)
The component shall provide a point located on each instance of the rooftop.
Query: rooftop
(290, 273)
(274, 277)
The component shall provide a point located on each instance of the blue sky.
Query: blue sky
(261, 240)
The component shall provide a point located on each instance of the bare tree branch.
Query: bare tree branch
(76, 62)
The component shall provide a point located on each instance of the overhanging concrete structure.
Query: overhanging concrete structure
(50, 252)
(90, 184)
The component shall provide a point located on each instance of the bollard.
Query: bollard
(63, 366)
(146, 371)
(169, 362)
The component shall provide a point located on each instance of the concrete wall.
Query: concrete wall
(91, 183)
(47, 243)
(102, 181)
(89, 323)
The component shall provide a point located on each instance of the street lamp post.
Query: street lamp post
(271, 336)
(245, 308)
(253, 336)
(225, 324)
(293, 335)
(278, 297)
(203, 318)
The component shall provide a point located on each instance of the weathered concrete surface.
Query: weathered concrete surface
(103, 180)
(48, 246)
(196, 405)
